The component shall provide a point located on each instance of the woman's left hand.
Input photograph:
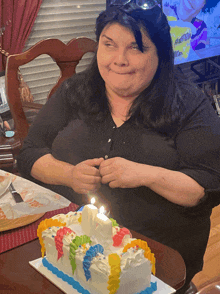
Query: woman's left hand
(120, 173)
(175, 186)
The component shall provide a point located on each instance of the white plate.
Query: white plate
(5, 184)
(162, 288)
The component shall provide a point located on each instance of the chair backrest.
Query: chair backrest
(67, 56)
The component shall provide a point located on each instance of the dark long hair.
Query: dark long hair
(160, 106)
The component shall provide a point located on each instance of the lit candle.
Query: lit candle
(101, 215)
(88, 218)
(103, 229)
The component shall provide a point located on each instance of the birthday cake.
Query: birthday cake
(93, 254)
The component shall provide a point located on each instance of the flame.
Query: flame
(102, 209)
(93, 200)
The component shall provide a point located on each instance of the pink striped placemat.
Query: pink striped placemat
(16, 237)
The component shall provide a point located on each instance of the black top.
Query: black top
(194, 151)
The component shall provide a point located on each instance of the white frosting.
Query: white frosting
(127, 239)
(51, 231)
(68, 238)
(69, 218)
(59, 217)
(73, 217)
(81, 250)
(115, 230)
(102, 263)
(131, 258)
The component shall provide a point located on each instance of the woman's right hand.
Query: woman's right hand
(86, 176)
(82, 178)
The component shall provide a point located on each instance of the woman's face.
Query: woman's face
(125, 69)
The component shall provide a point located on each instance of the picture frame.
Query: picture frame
(4, 107)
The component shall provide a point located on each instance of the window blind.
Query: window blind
(62, 20)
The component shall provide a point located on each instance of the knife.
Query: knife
(15, 194)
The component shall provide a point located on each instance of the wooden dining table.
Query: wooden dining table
(17, 276)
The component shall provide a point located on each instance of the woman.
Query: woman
(130, 128)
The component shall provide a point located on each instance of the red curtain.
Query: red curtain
(17, 16)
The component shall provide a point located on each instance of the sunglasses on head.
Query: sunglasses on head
(144, 4)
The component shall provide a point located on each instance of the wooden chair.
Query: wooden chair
(66, 56)
(212, 288)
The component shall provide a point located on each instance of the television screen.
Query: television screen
(195, 28)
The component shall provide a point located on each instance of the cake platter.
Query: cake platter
(9, 224)
(162, 288)
(5, 181)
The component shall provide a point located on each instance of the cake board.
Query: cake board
(162, 288)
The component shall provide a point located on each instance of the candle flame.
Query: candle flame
(93, 200)
(102, 209)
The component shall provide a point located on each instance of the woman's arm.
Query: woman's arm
(172, 185)
(198, 147)
(175, 186)
(36, 160)
(82, 178)
(51, 119)
(49, 170)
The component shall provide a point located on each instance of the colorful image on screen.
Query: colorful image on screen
(195, 28)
